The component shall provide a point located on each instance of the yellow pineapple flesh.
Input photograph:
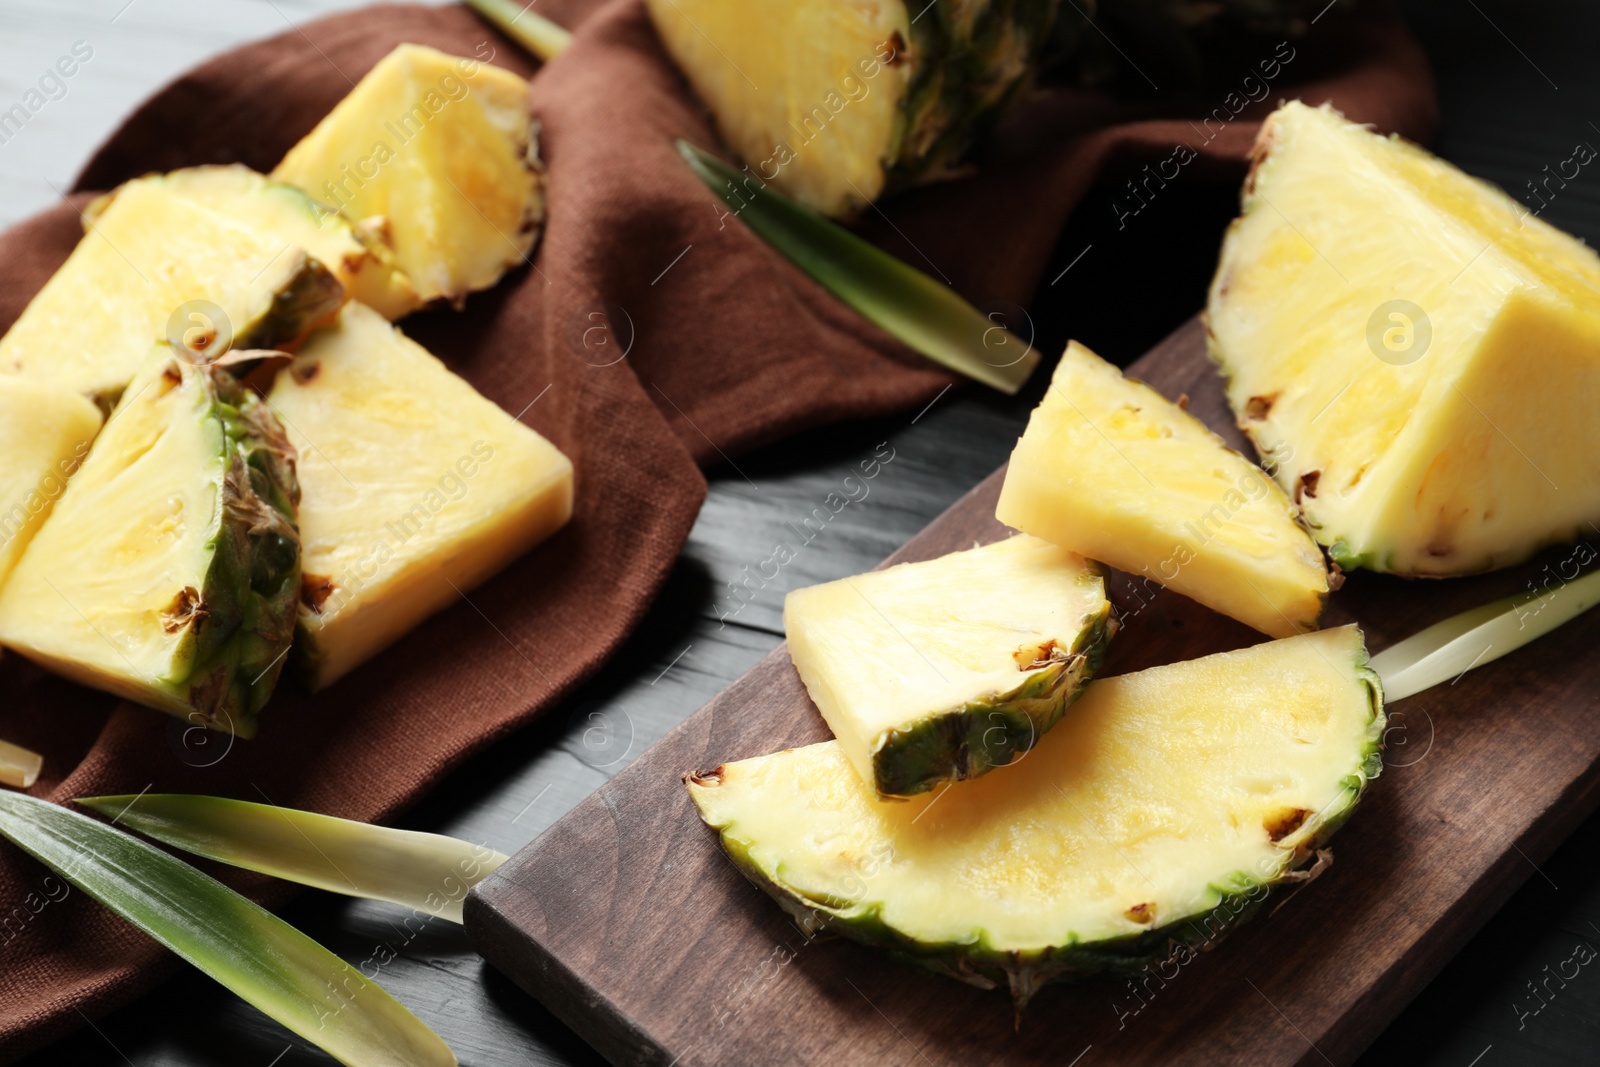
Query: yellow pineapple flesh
(1111, 469)
(1416, 353)
(45, 432)
(415, 488)
(437, 156)
(153, 247)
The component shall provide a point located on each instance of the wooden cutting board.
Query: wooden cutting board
(626, 919)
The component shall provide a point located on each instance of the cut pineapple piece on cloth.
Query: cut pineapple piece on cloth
(45, 432)
(167, 572)
(1416, 352)
(1110, 468)
(437, 156)
(942, 670)
(158, 262)
(836, 102)
(416, 488)
(1157, 816)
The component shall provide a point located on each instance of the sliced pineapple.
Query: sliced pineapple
(1160, 812)
(153, 247)
(938, 671)
(1417, 351)
(439, 155)
(417, 488)
(836, 100)
(168, 571)
(361, 260)
(1110, 468)
(44, 434)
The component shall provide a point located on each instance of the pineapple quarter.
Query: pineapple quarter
(439, 155)
(1160, 812)
(415, 487)
(836, 101)
(168, 571)
(153, 245)
(942, 670)
(45, 432)
(1111, 468)
(1419, 351)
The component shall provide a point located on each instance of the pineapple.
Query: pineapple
(152, 246)
(835, 101)
(417, 488)
(1152, 820)
(1110, 468)
(168, 571)
(1415, 351)
(438, 155)
(938, 671)
(44, 434)
(359, 257)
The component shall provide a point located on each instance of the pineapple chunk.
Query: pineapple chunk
(149, 250)
(168, 571)
(438, 154)
(1110, 468)
(417, 488)
(1419, 354)
(44, 434)
(938, 671)
(1161, 811)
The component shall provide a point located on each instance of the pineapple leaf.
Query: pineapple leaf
(904, 302)
(534, 32)
(426, 872)
(249, 950)
(1450, 648)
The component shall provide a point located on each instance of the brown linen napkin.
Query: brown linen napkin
(727, 347)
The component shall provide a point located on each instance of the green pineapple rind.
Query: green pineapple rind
(1237, 898)
(971, 740)
(236, 647)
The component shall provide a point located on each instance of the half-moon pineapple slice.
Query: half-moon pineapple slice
(1154, 818)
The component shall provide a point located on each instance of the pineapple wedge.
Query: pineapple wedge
(440, 156)
(168, 571)
(152, 247)
(44, 434)
(1110, 468)
(938, 671)
(1417, 351)
(834, 102)
(361, 260)
(1152, 820)
(417, 488)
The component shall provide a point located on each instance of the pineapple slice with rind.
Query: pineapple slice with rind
(1153, 819)
(1417, 352)
(836, 101)
(360, 258)
(168, 571)
(439, 155)
(1110, 468)
(45, 432)
(153, 247)
(942, 670)
(416, 488)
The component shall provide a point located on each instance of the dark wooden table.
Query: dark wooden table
(1519, 89)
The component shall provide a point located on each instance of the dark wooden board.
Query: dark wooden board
(629, 923)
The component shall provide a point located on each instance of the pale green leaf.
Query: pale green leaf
(534, 32)
(425, 872)
(249, 950)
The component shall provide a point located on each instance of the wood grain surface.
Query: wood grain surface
(626, 919)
